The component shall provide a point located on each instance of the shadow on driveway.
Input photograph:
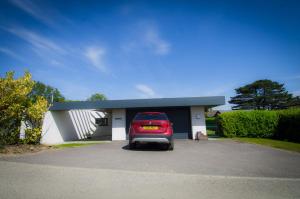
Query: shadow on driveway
(147, 147)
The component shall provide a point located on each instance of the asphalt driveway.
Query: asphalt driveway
(217, 169)
(226, 158)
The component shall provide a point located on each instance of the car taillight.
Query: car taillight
(165, 124)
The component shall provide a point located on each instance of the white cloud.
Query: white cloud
(147, 36)
(145, 91)
(61, 64)
(10, 53)
(96, 56)
(154, 41)
(32, 9)
(35, 40)
(46, 15)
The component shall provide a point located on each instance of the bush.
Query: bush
(16, 106)
(283, 124)
(248, 124)
(289, 125)
(32, 136)
(9, 136)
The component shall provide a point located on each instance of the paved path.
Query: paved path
(214, 169)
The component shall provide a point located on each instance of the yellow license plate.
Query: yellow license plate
(150, 127)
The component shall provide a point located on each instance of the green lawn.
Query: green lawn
(76, 144)
(210, 132)
(291, 146)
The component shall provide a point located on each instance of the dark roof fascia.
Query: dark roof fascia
(140, 103)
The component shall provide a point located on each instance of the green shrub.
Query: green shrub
(16, 106)
(282, 124)
(32, 136)
(248, 124)
(289, 125)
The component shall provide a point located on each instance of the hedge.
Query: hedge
(247, 123)
(284, 124)
(288, 125)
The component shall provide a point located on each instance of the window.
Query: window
(102, 121)
(151, 116)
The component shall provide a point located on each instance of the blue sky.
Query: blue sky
(146, 49)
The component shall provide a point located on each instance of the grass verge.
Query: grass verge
(72, 145)
(290, 146)
(210, 132)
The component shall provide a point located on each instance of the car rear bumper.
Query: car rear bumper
(151, 138)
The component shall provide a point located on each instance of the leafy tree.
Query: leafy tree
(295, 102)
(35, 111)
(15, 106)
(97, 97)
(13, 102)
(35, 114)
(41, 89)
(261, 94)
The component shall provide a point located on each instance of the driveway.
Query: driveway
(218, 169)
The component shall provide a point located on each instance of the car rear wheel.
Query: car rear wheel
(171, 146)
(132, 145)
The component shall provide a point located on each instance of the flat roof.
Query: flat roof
(140, 103)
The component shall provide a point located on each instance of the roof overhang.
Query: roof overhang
(140, 103)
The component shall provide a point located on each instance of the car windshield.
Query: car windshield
(151, 116)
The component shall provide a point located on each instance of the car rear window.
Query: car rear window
(151, 116)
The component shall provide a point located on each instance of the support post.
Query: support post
(198, 120)
(118, 124)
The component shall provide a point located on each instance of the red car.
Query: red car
(151, 127)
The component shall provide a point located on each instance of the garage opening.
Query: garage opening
(179, 116)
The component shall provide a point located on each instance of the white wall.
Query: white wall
(102, 131)
(60, 126)
(50, 131)
(118, 124)
(198, 120)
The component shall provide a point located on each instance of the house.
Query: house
(110, 119)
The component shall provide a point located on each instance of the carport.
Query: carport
(110, 119)
(179, 116)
